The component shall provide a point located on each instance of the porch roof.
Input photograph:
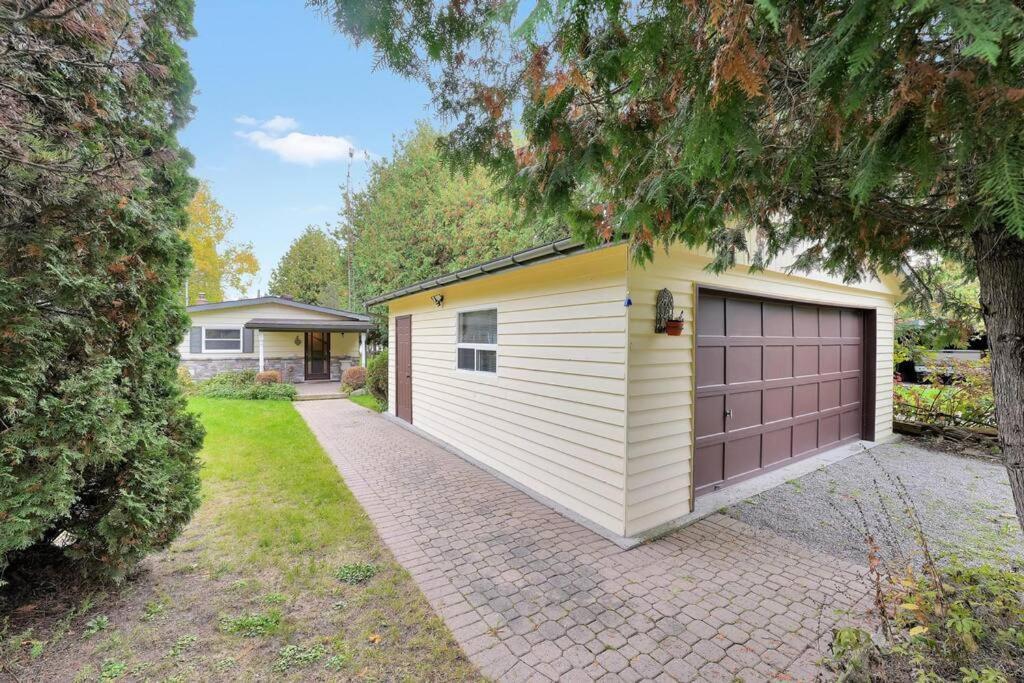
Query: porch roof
(288, 325)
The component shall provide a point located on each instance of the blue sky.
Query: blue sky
(281, 98)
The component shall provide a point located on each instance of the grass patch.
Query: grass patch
(367, 401)
(356, 573)
(279, 550)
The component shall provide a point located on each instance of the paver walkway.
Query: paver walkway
(532, 595)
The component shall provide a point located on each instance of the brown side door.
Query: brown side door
(403, 367)
(318, 355)
(776, 381)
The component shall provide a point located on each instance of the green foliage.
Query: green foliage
(863, 130)
(95, 443)
(418, 218)
(356, 573)
(244, 384)
(252, 625)
(958, 623)
(312, 271)
(940, 309)
(963, 400)
(292, 656)
(95, 625)
(377, 377)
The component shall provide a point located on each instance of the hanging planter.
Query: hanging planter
(673, 327)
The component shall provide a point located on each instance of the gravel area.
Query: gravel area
(964, 504)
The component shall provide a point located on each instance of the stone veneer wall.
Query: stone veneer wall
(290, 368)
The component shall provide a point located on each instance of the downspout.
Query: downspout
(627, 304)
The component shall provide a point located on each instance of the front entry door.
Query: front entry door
(403, 367)
(318, 355)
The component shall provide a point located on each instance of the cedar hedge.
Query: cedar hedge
(98, 461)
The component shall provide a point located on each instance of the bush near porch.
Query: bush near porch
(243, 384)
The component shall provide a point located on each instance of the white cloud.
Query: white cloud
(299, 148)
(280, 124)
(246, 120)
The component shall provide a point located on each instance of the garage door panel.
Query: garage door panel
(778, 404)
(778, 362)
(805, 437)
(852, 324)
(709, 465)
(777, 380)
(778, 320)
(742, 318)
(744, 410)
(850, 392)
(828, 359)
(743, 364)
(776, 446)
(828, 395)
(828, 431)
(710, 366)
(805, 399)
(711, 316)
(828, 322)
(805, 321)
(710, 415)
(805, 361)
(849, 424)
(851, 357)
(742, 456)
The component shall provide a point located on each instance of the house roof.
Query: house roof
(545, 252)
(238, 303)
(306, 325)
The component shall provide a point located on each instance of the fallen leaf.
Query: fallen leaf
(374, 638)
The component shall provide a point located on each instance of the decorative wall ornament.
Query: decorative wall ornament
(663, 308)
(298, 340)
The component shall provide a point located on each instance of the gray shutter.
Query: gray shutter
(246, 340)
(195, 340)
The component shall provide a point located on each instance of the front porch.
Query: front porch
(322, 349)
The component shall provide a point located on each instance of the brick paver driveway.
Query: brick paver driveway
(531, 595)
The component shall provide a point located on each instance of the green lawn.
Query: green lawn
(280, 575)
(367, 401)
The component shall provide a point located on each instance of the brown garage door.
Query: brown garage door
(776, 381)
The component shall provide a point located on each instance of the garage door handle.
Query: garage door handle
(728, 412)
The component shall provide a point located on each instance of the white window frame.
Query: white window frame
(481, 347)
(241, 338)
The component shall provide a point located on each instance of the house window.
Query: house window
(478, 341)
(222, 339)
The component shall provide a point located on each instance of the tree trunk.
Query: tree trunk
(1000, 262)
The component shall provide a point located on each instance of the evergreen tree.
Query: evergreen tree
(96, 447)
(312, 271)
(862, 131)
(418, 218)
(216, 262)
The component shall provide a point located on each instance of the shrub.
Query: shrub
(96, 446)
(377, 377)
(268, 377)
(185, 380)
(242, 384)
(940, 620)
(354, 377)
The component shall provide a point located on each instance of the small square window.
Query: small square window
(477, 345)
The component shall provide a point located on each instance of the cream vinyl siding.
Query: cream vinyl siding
(275, 344)
(553, 415)
(660, 370)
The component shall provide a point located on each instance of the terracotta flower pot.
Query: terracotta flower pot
(674, 328)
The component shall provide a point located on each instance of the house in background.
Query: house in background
(302, 341)
(545, 366)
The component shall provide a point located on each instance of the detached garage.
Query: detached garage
(552, 368)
